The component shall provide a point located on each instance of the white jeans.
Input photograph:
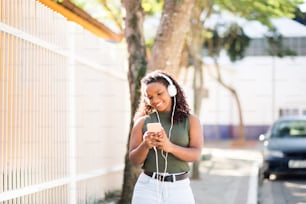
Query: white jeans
(152, 191)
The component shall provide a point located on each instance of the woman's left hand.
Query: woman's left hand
(163, 141)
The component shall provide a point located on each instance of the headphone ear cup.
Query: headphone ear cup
(172, 90)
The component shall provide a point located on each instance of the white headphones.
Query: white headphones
(171, 87)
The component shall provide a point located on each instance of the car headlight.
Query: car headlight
(273, 153)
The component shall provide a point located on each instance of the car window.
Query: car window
(289, 129)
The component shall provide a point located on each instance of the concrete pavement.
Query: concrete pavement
(229, 174)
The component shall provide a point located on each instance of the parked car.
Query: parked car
(284, 147)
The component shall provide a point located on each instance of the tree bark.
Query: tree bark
(137, 69)
(170, 37)
(195, 47)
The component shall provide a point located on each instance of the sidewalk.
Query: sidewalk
(228, 174)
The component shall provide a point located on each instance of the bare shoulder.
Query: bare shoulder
(196, 132)
(139, 121)
(193, 120)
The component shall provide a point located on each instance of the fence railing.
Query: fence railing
(64, 108)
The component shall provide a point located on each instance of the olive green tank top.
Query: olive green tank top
(179, 136)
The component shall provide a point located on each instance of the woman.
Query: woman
(164, 151)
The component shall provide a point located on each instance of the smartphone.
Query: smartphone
(154, 127)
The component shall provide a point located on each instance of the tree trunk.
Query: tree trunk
(137, 69)
(241, 136)
(195, 47)
(198, 83)
(170, 37)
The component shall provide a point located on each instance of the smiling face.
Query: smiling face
(158, 96)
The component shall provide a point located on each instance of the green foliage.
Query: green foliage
(149, 43)
(214, 41)
(83, 3)
(112, 195)
(276, 46)
(260, 10)
(152, 6)
(300, 16)
(235, 42)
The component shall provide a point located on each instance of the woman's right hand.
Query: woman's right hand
(150, 139)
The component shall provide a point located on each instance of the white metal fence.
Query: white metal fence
(64, 108)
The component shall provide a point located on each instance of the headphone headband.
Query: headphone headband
(167, 78)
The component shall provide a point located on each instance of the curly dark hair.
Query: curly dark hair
(182, 109)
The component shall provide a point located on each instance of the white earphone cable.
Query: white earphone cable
(162, 152)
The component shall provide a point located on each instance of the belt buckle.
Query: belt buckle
(168, 178)
(171, 177)
(161, 177)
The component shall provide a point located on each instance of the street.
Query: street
(283, 190)
(228, 176)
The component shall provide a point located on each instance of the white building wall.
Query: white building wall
(264, 85)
